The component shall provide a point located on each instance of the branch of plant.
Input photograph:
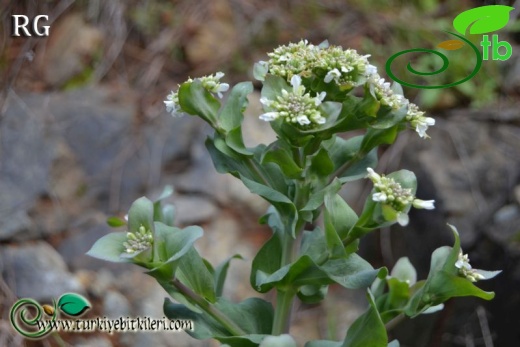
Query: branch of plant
(209, 308)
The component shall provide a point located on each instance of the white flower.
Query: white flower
(319, 99)
(463, 261)
(332, 75)
(172, 104)
(379, 197)
(269, 116)
(466, 270)
(295, 106)
(403, 219)
(389, 192)
(418, 120)
(370, 70)
(374, 177)
(423, 204)
(303, 120)
(384, 92)
(212, 83)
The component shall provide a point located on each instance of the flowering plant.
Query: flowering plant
(310, 95)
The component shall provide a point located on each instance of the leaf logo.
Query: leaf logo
(73, 304)
(482, 20)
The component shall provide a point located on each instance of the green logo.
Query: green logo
(477, 21)
(33, 325)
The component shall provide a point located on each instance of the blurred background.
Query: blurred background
(83, 133)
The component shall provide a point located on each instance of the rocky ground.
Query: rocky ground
(74, 153)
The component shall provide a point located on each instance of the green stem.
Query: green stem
(394, 322)
(254, 168)
(210, 309)
(284, 298)
(282, 314)
(346, 166)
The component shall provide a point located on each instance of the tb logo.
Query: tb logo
(20, 22)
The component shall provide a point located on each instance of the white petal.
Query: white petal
(269, 116)
(265, 101)
(429, 121)
(379, 197)
(296, 82)
(303, 120)
(403, 219)
(321, 120)
(219, 75)
(371, 70)
(224, 87)
(372, 174)
(424, 204)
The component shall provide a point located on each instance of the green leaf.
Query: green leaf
(367, 330)
(312, 294)
(193, 273)
(158, 210)
(253, 315)
(340, 215)
(284, 206)
(404, 271)
(444, 286)
(396, 300)
(110, 247)
(375, 137)
(141, 214)
(170, 245)
(352, 272)
(282, 158)
(314, 245)
(225, 159)
(235, 141)
(266, 262)
(321, 164)
(317, 198)
(483, 19)
(231, 115)
(168, 215)
(115, 222)
(221, 273)
(73, 304)
(194, 99)
(343, 151)
(260, 70)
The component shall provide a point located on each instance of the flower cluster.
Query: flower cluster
(418, 120)
(295, 107)
(347, 68)
(293, 59)
(172, 103)
(390, 192)
(466, 270)
(211, 83)
(385, 94)
(138, 241)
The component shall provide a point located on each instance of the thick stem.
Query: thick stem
(282, 314)
(284, 298)
(210, 309)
